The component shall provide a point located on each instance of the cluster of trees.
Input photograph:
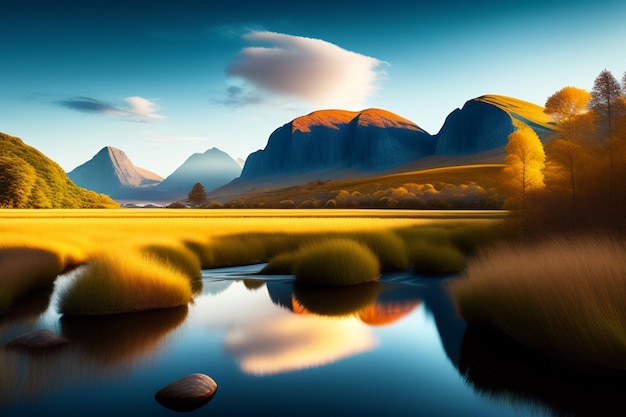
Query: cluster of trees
(440, 195)
(577, 180)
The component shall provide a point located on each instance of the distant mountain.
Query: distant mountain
(369, 140)
(212, 169)
(337, 144)
(29, 179)
(111, 172)
(484, 124)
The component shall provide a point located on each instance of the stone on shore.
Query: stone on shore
(188, 393)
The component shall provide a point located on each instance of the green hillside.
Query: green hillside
(29, 179)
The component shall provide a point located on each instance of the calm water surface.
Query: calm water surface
(395, 348)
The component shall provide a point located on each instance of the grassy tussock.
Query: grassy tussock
(336, 262)
(428, 258)
(388, 247)
(25, 270)
(121, 283)
(202, 250)
(562, 297)
(281, 264)
(180, 258)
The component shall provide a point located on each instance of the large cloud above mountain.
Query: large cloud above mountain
(313, 70)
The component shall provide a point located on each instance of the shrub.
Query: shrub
(120, 283)
(562, 297)
(336, 262)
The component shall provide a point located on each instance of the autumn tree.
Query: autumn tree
(525, 162)
(566, 104)
(604, 99)
(197, 195)
(607, 102)
(566, 154)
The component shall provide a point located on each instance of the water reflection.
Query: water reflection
(497, 367)
(123, 339)
(288, 343)
(100, 347)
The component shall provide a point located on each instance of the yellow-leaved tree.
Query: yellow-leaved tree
(568, 154)
(525, 162)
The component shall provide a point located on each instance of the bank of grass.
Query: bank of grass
(388, 247)
(564, 297)
(336, 262)
(181, 258)
(435, 258)
(124, 282)
(25, 270)
(216, 238)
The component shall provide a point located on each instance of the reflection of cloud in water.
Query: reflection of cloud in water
(289, 343)
(212, 287)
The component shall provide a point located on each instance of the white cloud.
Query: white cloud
(310, 69)
(137, 109)
(141, 110)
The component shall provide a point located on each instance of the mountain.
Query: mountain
(212, 169)
(111, 172)
(370, 140)
(484, 124)
(29, 179)
(337, 145)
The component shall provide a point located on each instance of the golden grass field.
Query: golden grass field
(117, 242)
(563, 297)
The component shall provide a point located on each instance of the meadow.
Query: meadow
(563, 297)
(156, 255)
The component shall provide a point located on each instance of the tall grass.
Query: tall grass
(24, 270)
(336, 262)
(120, 283)
(563, 297)
(181, 258)
(437, 259)
(388, 247)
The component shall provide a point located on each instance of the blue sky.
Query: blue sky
(164, 79)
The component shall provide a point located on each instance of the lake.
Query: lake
(393, 348)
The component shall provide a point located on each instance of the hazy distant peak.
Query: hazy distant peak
(110, 171)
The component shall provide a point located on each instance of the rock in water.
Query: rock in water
(187, 393)
(38, 339)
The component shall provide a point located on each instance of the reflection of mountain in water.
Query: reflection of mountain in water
(500, 368)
